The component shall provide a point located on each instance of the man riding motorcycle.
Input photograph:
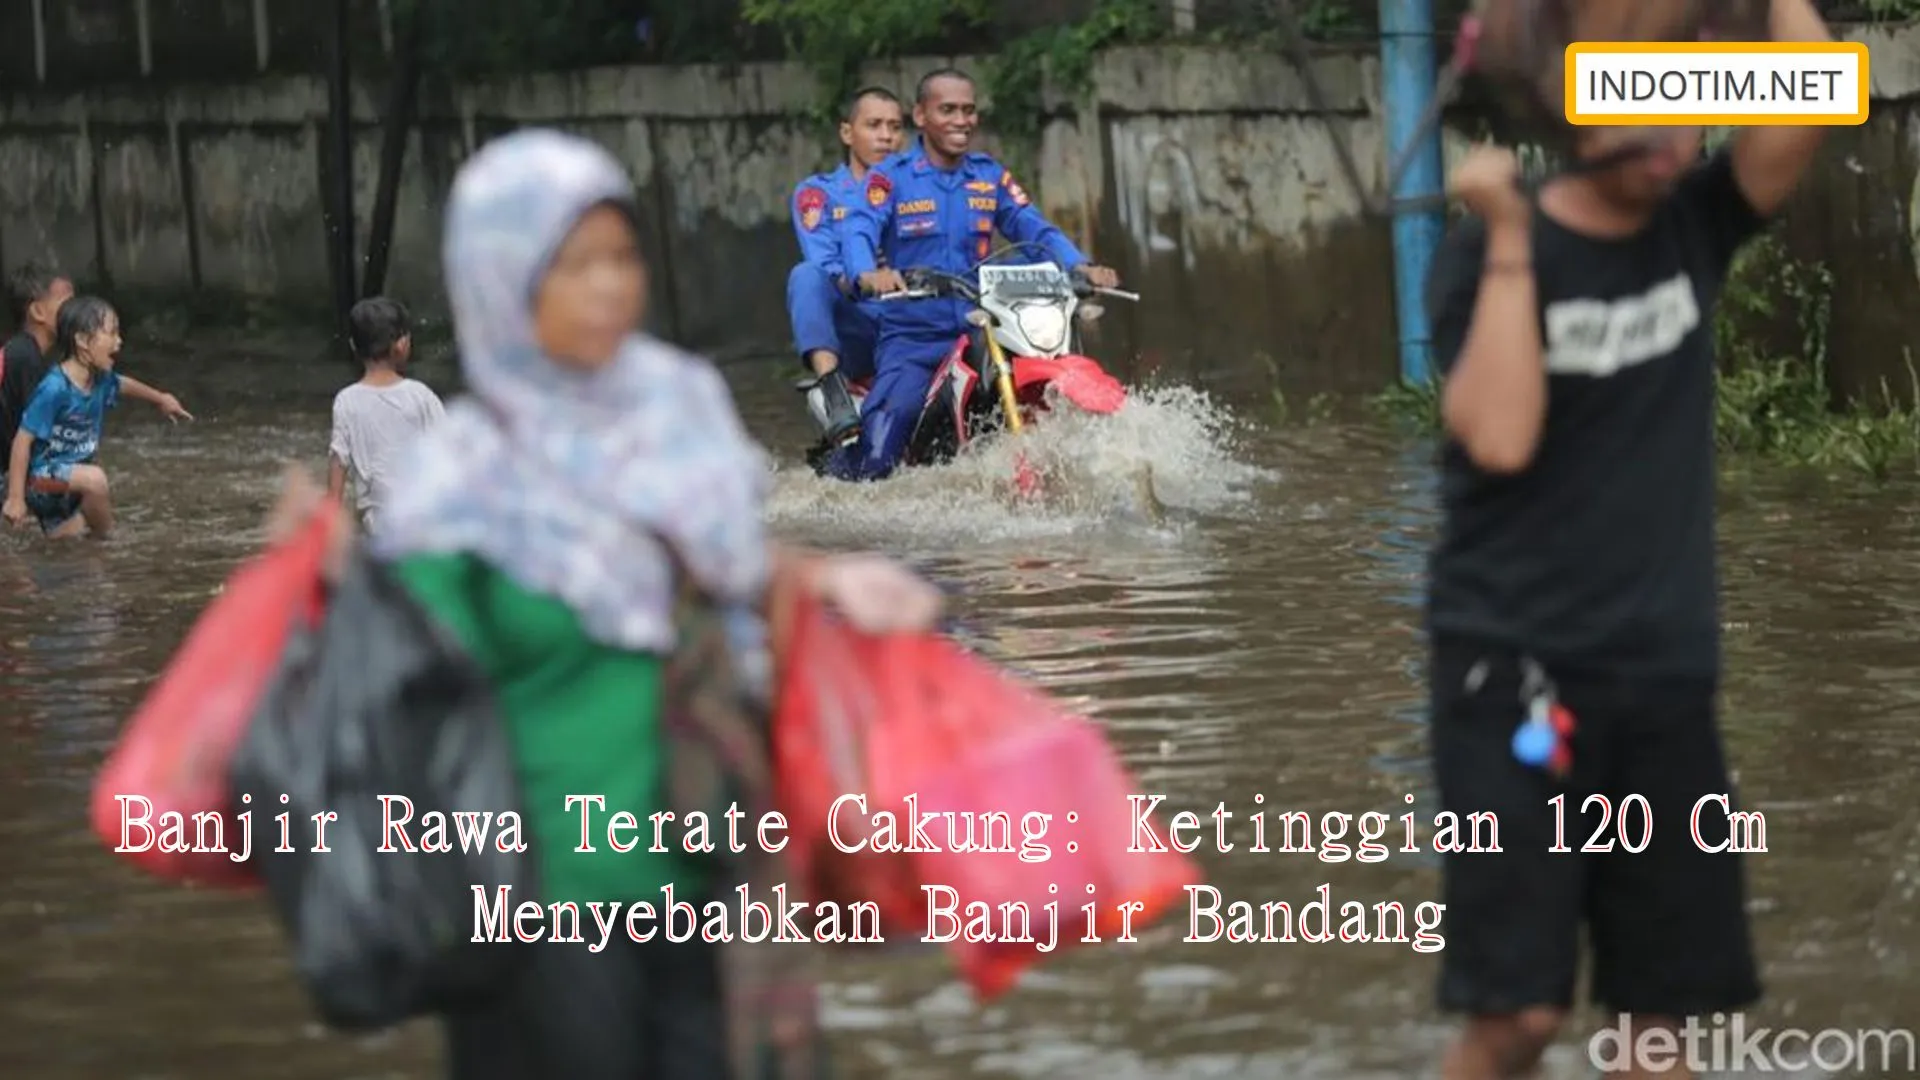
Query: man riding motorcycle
(834, 331)
(936, 205)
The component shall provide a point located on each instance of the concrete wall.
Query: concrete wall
(1200, 172)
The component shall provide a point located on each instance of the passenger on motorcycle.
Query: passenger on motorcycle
(833, 329)
(937, 206)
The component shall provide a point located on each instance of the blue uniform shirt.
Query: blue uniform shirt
(66, 421)
(821, 205)
(915, 214)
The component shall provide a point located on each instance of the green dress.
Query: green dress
(584, 719)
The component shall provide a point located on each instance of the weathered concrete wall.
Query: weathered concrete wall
(1860, 215)
(1199, 172)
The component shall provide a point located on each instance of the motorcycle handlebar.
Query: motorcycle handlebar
(925, 284)
(922, 284)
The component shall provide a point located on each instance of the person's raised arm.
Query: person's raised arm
(1487, 320)
(1769, 160)
(138, 390)
(168, 405)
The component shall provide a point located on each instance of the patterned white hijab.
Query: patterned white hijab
(563, 480)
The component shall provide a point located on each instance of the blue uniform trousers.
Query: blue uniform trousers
(906, 360)
(823, 317)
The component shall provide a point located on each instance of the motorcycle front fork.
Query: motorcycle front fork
(1003, 382)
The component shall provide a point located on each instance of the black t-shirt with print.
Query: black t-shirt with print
(25, 367)
(1600, 554)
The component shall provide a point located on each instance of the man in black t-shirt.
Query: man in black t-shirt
(35, 292)
(1576, 566)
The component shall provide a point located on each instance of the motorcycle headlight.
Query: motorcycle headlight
(1045, 327)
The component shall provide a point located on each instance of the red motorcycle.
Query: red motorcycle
(997, 376)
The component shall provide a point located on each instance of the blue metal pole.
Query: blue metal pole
(1411, 76)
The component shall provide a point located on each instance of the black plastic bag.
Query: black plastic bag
(379, 700)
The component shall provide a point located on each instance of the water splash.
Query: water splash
(1169, 455)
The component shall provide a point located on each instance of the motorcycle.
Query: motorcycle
(997, 377)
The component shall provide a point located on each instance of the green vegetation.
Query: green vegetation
(1885, 10)
(1413, 407)
(1773, 404)
(1063, 55)
(488, 37)
(1779, 404)
(834, 38)
(1317, 409)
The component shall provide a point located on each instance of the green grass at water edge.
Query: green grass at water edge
(1773, 402)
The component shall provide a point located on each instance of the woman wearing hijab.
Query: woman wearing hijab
(548, 522)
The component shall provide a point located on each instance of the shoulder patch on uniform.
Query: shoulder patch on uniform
(1014, 190)
(811, 202)
(878, 188)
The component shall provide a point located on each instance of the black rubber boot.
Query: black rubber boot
(843, 417)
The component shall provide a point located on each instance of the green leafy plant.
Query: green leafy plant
(1018, 76)
(1890, 10)
(1411, 406)
(1780, 405)
(834, 38)
(1317, 409)
(1331, 19)
(1772, 403)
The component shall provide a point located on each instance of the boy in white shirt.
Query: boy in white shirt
(375, 418)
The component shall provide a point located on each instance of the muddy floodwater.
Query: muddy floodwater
(1256, 636)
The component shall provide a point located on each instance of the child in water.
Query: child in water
(51, 472)
(375, 418)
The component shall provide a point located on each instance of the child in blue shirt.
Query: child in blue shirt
(51, 472)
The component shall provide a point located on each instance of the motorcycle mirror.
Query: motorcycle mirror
(978, 318)
(1089, 312)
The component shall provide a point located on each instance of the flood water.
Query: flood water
(1260, 637)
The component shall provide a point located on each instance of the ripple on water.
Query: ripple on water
(1093, 468)
(1263, 639)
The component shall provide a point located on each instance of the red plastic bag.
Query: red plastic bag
(173, 754)
(922, 727)
(822, 750)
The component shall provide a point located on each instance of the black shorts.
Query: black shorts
(1667, 925)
